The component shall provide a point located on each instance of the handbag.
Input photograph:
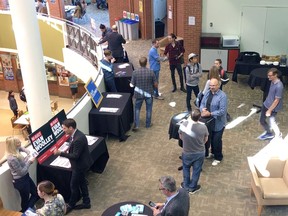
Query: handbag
(199, 98)
(182, 59)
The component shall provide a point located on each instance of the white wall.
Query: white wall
(226, 14)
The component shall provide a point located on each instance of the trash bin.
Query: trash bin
(121, 24)
(133, 33)
(125, 29)
(117, 23)
(159, 29)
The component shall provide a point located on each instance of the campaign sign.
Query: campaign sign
(49, 137)
(94, 93)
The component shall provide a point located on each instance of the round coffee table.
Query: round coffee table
(112, 210)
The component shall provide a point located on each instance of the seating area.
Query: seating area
(271, 190)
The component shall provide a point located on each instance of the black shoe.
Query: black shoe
(183, 90)
(82, 206)
(198, 188)
(180, 168)
(68, 209)
(174, 90)
(182, 185)
(180, 157)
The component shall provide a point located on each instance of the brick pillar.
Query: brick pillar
(4, 4)
(181, 11)
(56, 8)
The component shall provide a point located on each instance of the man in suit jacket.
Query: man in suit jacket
(177, 201)
(115, 41)
(79, 157)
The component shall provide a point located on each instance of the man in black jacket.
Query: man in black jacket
(115, 41)
(79, 157)
(177, 201)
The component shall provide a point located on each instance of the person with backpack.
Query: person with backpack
(193, 72)
(222, 73)
(22, 95)
(224, 79)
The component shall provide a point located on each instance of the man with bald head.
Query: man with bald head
(214, 104)
(115, 41)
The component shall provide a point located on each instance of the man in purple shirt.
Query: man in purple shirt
(271, 106)
(175, 51)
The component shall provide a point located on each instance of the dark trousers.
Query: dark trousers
(179, 70)
(267, 126)
(189, 89)
(26, 186)
(216, 144)
(110, 85)
(78, 184)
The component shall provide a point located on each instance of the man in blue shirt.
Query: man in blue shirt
(154, 61)
(214, 104)
(271, 106)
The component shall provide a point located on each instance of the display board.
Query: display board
(49, 137)
(94, 93)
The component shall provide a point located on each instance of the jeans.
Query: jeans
(272, 122)
(156, 92)
(26, 186)
(138, 104)
(216, 144)
(188, 96)
(110, 85)
(179, 70)
(195, 160)
(78, 183)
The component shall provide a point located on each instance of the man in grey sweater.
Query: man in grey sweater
(193, 72)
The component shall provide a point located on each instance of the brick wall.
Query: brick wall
(56, 8)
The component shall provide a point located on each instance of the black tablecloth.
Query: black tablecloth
(246, 69)
(258, 77)
(117, 124)
(123, 77)
(61, 176)
(112, 210)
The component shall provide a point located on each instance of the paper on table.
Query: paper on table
(113, 96)
(61, 162)
(108, 109)
(64, 147)
(91, 140)
(123, 65)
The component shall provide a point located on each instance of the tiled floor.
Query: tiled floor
(135, 166)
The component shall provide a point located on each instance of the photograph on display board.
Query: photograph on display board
(93, 92)
(7, 67)
(1, 70)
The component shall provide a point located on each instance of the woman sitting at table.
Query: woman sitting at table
(19, 166)
(54, 202)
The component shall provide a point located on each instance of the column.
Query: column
(27, 36)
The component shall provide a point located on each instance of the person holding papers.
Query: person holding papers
(19, 166)
(79, 157)
(106, 65)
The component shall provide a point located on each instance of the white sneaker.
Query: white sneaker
(210, 156)
(215, 162)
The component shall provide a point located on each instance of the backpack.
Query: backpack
(22, 95)
(223, 76)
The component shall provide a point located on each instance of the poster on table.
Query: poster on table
(49, 137)
(93, 92)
